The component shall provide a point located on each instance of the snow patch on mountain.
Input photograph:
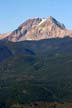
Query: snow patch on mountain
(42, 21)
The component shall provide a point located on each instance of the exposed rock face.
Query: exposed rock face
(23, 29)
(2, 36)
(37, 28)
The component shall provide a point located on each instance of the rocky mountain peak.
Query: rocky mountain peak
(37, 29)
(31, 22)
(52, 20)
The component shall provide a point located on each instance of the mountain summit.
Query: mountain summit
(37, 29)
(54, 21)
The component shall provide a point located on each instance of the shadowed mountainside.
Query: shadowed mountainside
(37, 71)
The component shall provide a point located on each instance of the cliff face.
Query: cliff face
(37, 29)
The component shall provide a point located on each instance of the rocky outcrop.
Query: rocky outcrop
(37, 29)
(2, 36)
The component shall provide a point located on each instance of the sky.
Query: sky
(15, 12)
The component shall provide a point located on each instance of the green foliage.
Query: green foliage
(45, 76)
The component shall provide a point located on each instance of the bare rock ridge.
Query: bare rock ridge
(52, 20)
(2, 36)
(37, 29)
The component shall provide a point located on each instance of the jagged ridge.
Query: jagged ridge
(37, 29)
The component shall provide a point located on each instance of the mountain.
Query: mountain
(36, 71)
(36, 65)
(37, 29)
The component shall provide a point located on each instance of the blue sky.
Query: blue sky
(15, 12)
